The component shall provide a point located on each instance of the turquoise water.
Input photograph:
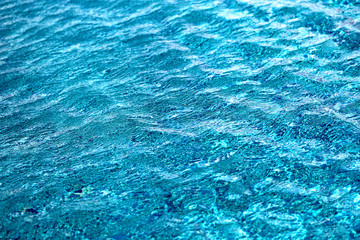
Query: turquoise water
(178, 119)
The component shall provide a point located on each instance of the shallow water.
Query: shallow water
(179, 119)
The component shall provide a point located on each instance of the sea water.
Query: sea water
(180, 119)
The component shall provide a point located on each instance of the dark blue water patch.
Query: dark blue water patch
(319, 22)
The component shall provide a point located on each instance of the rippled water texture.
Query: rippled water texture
(179, 119)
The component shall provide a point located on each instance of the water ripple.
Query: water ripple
(175, 119)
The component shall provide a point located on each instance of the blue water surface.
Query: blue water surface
(180, 119)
